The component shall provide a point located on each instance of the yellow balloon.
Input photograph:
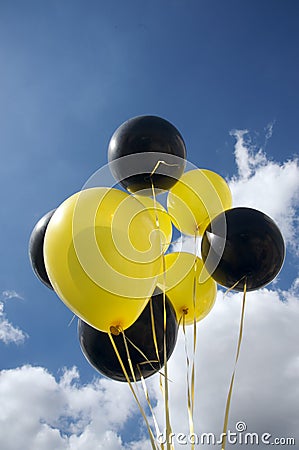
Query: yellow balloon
(159, 213)
(197, 197)
(182, 269)
(101, 251)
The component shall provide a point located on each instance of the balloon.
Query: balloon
(148, 139)
(196, 199)
(99, 352)
(243, 244)
(36, 252)
(178, 282)
(101, 251)
(157, 211)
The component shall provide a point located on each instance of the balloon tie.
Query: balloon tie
(228, 401)
(152, 439)
(115, 330)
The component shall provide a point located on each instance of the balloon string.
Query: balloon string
(146, 394)
(129, 358)
(154, 331)
(233, 286)
(71, 321)
(154, 447)
(194, 322)
(165, 388)
(142, 380)
(126, 339)
(189, 395)
(191, 389)
(161, 162)
(224, 432)
(146, 360)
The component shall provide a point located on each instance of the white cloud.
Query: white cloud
(6, 295)
(268, 186)
(40, 413)
(186, 244)
(8, 332)
(269, 131)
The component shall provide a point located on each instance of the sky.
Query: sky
(226, 74)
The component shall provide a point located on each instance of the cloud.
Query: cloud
(269, 131)
(6, 295)
(40, 413)
(266, 185)
(8, 332)
(186, 244)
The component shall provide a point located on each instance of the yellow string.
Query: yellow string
(146, 394)
(146, 360)
(194, 323)
(154, 330)
(224, 432)
(71, 321)
(142, 380)
(154, 447)
(129, 358)
(233, 286)
(189, 394)
(158, 164)
(191, 389)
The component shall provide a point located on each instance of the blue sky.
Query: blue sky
(73, 71)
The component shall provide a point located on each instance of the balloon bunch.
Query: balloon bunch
(106, 251)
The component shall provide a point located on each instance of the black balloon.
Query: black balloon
(99, 352)
(150, 139)
(36, 248)
(251, 248)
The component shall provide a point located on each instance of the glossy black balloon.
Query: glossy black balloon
(36, 248)
(156, 139)
(99, 351)
(253, 247)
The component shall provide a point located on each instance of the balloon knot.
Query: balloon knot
(115, 330)
(185, 311)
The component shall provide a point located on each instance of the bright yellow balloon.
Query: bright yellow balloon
(159, 213)
(101, 251)
(197, 197)
(178, 281)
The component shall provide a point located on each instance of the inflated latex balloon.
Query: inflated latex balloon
(99, 351)
(102, 255)
(182, 269)
(196, 199)
(36, 249)
(154, 145)
(243, 244)
(161, 218)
